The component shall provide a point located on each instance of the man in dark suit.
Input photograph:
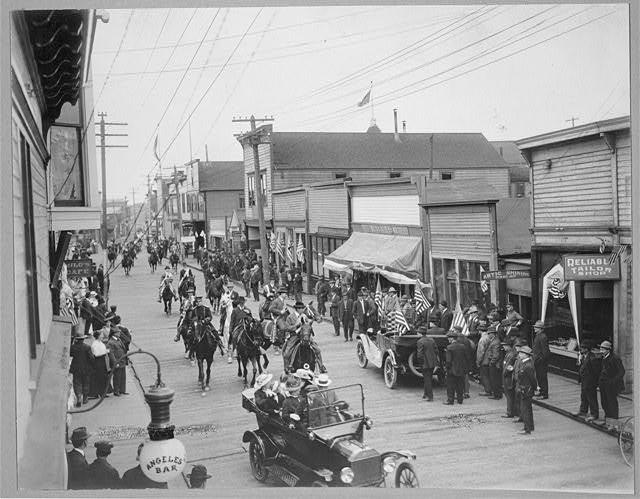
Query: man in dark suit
(345, 312)
(116, 351)
(508, 383)
(361, 313)
(590, 367)
(136, 479)
(426, 353)
(446, 317)
(610, 381)
(525, 378)
(541, 356)
(77, 465)
(334, 306)
(101, 474)
(81, 365)
(456, 367)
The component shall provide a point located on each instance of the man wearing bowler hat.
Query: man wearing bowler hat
(198, 477)
(77, 465)
(525, 385)
(101, 474)
(590, 366)
(426, 353)
(541, 355)
(611, 381)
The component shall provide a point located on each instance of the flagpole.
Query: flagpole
(371, 97)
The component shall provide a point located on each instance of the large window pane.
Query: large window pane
(66, 166)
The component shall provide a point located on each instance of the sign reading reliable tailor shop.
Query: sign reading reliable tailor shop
(595, 267)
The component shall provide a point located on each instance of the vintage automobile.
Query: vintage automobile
(325, 448)
(397, 354)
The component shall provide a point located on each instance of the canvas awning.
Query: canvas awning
(398, 258)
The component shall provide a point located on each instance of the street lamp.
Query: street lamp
(163, 457)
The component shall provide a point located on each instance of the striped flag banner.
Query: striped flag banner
(378, 299)
(279, 241)
(290, 249)
(300, 249)
(401, 323)
(68, 311)
(484, 285)
(272, 242)
(459, 320)
(615, 254)
(422, 302)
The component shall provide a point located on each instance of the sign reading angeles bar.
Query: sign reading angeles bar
(590, 267)
(506, 274)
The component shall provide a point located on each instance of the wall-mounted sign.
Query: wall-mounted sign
(333, 232)
(592, 267)
(506, 274)
(396, 230)
(80, 267)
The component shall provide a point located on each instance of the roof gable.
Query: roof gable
(221, 175)
(407, 151)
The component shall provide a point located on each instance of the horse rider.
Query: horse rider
(186, 312)
(294, 321)
(239, 315)
(202, 312)
(278, 304)
(166, 279)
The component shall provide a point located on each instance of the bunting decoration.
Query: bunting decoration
(300, 249)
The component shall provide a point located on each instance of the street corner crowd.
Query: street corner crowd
(100, 474)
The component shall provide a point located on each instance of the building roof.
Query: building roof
(221, 175)
(314, 150)
(509, 151)
(513, 218)
(447, 192)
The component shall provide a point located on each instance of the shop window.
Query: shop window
(395, 174)
(340, 175)
(470, 279)
(66, 166)
(446, 175)
(520, 189)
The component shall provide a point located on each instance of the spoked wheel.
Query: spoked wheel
(625, 441)
(256, 458)
(362, 356)
(390, 373)
(406, 476)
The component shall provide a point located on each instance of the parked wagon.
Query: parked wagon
(397, 354)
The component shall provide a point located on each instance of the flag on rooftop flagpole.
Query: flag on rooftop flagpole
(300, 249)
(365, 99)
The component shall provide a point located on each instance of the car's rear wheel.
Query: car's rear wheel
(362, 356)
(256, 458)
(406, 476)
(390, 373)
(415, 369)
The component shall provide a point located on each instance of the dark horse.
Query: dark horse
(297, 352)
(173, 260)
(153, 261)
(188, 283)
(127, 263)
(112, 255)
(185, 331)
(249, 348)
(205, 340)
(167, 296)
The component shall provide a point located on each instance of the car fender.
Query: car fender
(269, 448)
(390, 353)
(398, 454)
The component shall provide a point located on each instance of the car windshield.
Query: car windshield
(335, 405)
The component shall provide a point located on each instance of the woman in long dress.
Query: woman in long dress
(99, 376)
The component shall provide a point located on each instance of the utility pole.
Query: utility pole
(177, 179)
(133, 211)
(255, 138)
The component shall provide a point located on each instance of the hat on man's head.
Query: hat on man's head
(299, 304)
(293, 384)
(323, 380)
(452, 334)
(263, 379)
(199, 472)
(606, 344)
(103, 446)
(80, 433)
(79, 337)
(241, 299)
(392, 289)
(304, 374)
(539, 324)
(423, 329)
(493, 328)
(360, 293)
(93, 293)
(526, 349)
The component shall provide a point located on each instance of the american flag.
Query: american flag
(484, 286)
(67, 310)
(279, 245)
(615, 254)
(300, 249)
(459, 320)
(397, 322)
(290, 249)
(272, 242)
(378, 299)
(422, 302)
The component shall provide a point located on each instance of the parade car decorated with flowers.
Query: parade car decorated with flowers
(325, 448)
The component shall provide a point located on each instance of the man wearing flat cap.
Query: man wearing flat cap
(198, 477)
(77, 465)
(541, 355)
(101, 474)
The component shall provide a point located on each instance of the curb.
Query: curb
(614, 432)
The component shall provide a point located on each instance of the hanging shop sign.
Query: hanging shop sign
(81, 267)
(590, 267)
(506, 274)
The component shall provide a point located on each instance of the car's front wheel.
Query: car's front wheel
(390, 373)
(406, 476)
(362, 355)
(256, 458)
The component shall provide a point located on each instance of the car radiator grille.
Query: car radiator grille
(367, 471)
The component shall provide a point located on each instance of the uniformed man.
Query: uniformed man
(238, 316)
(525, 385)
(101, 474)
(77, 465)
(198, 477)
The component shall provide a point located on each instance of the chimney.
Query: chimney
(396, 137)
(404, 126)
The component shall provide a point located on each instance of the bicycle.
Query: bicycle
(625, 441)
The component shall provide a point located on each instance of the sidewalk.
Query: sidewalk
(564, 393)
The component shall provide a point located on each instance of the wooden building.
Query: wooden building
(53, 191)
(580, 216)
(221, 183)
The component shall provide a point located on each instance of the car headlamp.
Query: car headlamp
(389, 464)
(346, 474)
(368, 423)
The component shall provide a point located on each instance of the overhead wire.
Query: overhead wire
(155, 44)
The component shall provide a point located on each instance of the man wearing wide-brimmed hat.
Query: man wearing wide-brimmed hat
(611, 380)
(266, 399)
(525, 378)
(77, 465)
(198, 477)
(292, 405)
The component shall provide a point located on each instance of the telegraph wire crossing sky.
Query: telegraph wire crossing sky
(507, 71)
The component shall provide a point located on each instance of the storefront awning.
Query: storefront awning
(398, 258)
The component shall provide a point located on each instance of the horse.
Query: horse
(112, 255)
(297, 352)
(168, 294)
(127, 263)
(215, 288)
(153, 261)
(188, 283)
(185, 331)
(248, 346)
(204, 344)
(174, 259)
